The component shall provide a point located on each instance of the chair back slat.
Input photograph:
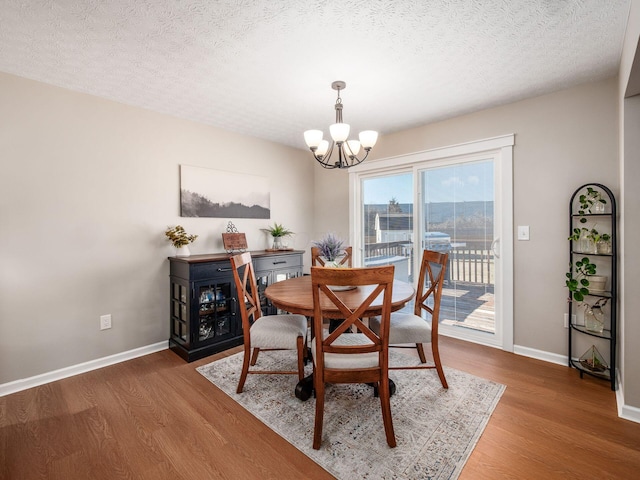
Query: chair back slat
(381, 278)
(245, 280)
(430, 285)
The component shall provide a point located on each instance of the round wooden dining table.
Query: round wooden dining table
(295, 295)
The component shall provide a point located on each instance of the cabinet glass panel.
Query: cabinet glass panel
(286, 275)
(263, 282)
(215, 311)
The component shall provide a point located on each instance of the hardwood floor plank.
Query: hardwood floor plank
(156, 418)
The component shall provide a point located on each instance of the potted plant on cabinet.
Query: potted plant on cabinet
(180, 239)
(278, 232)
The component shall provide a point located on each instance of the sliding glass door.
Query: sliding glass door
(457, 217)
(458, 204)
(388, 223)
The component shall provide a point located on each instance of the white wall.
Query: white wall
(563, 140)
(87, 188)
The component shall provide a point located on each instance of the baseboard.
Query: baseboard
(541, 355)
(25, 383)
(625, 411)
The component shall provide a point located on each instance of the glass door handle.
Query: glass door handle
(494, 244)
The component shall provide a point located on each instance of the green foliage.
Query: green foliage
(577, 233)
(178, 236)
(578, 278)
(588, 200)
(277, 230)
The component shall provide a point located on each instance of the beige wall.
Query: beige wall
(563, 140)
(87, 188)
(630, 208)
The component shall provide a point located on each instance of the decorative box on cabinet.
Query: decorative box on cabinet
(599, 217)
(204, 316)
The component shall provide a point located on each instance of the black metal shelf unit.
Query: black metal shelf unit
(586, 221)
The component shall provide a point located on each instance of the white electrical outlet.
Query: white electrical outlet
(105, 322)
(566, 320)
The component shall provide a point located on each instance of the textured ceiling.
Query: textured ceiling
(264, 67)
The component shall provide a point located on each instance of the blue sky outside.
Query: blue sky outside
(457, 183)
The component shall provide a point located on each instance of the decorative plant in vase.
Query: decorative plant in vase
(330, 248)
(591, 202)
(594, 316)
(180, 239)
(278, 231)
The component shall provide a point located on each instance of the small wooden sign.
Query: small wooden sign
(234, 242)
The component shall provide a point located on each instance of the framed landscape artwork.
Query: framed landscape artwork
(214, 193)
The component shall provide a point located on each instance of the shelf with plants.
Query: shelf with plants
(592, 281)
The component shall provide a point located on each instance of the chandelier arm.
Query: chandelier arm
(355, 160)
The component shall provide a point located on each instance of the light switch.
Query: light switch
(523, 232)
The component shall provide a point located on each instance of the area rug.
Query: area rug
(436, 429)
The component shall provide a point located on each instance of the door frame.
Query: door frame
(498, 148)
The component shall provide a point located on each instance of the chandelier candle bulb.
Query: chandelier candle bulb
(313, 138)
(353, 147)
(339, 131)
(322, 148)
(368, 138)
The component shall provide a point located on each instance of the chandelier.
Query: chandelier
(347, 150)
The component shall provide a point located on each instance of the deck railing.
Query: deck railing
(470, 262)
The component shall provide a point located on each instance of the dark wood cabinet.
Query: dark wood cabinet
(204, 317)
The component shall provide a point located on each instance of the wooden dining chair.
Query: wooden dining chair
(415, 329)
(318, 260)
(357, 357)
(268, 332)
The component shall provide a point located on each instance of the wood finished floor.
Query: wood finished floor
(156, 418)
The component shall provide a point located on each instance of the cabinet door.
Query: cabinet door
(180, 311)
(214, 312)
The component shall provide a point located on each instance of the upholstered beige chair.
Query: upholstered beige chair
(357, 357)
(269, 332)
(414, 328)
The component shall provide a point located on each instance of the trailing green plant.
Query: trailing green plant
(577, 233)
(277, 230)
(588, 200)
(578, 278)
(178, 236)
(330, 247)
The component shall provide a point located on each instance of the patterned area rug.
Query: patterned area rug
(436, 429)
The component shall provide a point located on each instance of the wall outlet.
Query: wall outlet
(566, 320)
(105, 322)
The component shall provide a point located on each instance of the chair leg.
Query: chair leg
(245, 370)
(301, 355)
(317, 428)
(421, 354)
(385, 403)
(254, 357)
(436, 360)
